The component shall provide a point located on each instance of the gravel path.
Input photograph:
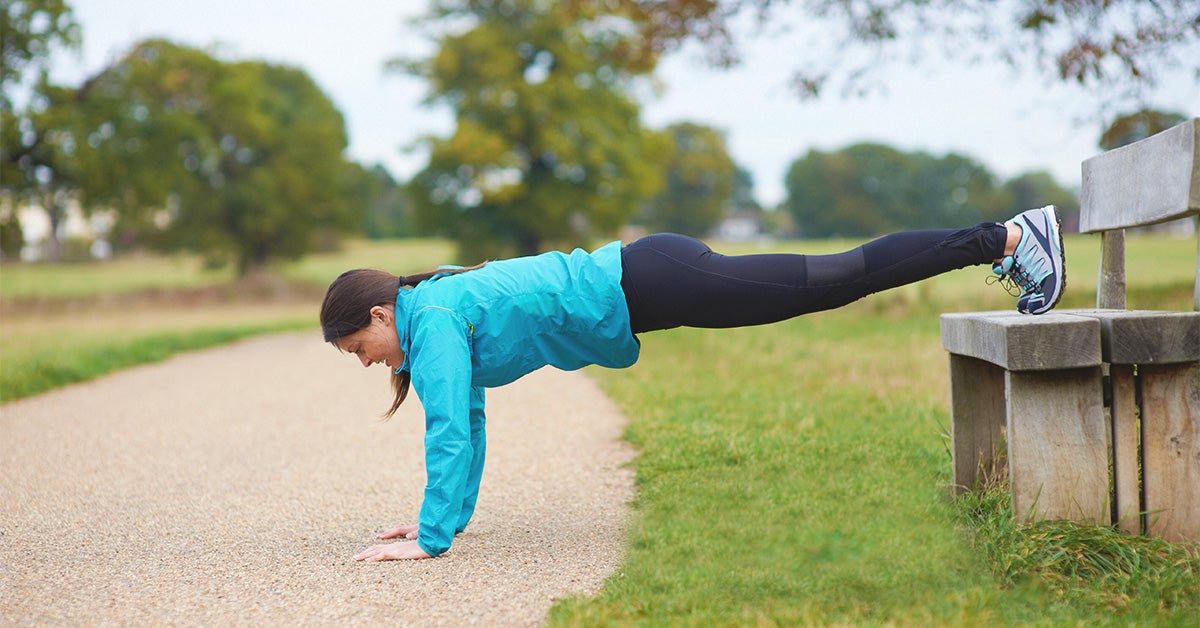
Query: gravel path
(233, 485)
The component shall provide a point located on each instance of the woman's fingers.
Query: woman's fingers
(404, 550)
(408, 531)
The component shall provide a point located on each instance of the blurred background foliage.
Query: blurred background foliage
(243, 162)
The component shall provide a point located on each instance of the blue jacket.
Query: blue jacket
(488, 327)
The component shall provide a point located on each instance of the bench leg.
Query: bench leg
(977, 421)
(1058, 445)
(1171, 449)
(1126, 438)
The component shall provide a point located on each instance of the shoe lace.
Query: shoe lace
(1024, 277)
(1005, 282)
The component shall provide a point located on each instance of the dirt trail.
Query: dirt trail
(233, 486)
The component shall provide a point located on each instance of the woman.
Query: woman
(452, 333)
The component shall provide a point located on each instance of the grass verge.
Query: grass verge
(24, 374)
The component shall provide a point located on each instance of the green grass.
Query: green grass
(44, 365)
(798, 474)
(1091, 566)
(117, 276)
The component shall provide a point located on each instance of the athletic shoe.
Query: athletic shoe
(1038, 264)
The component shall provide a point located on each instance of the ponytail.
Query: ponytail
(413, 280)
(400, 382)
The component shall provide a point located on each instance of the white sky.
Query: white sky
(1010, 124)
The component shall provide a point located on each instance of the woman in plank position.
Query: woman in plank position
(451, 333)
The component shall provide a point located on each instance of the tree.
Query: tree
(238, 161)
(387, 208)
(1035, 189)
(1138, 125)
(30, 30)
(41, 163)
(743, 191)
(548, 146)
(700, 178)
(1119, 45)
(869, 189)
(30, 165)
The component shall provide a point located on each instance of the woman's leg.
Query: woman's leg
(672, 280)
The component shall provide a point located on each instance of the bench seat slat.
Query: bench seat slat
(1019, 342)
(1146, 336)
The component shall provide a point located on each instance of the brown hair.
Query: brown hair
(348, 302)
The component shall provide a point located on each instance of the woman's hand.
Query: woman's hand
(402, 550)
(407, 531)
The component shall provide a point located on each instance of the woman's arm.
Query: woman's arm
(409, 532)
(455, 442)
(440, 358)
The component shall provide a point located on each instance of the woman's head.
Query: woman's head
(358, 316)
(349, 299)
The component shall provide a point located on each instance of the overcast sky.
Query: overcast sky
(1010, 124)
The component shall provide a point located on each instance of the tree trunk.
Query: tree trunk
(56, 210)
(251, 263)
(529, 244)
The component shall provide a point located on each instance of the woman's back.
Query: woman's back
(565, 310)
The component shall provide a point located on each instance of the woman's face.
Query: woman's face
(376, 343)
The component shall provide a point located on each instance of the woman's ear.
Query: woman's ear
(382, 314)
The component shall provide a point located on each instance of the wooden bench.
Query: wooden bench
(1095, 414)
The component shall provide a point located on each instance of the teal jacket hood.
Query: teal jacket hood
(461, 333)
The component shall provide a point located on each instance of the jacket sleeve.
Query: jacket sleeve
(478, 449)
(440, 362)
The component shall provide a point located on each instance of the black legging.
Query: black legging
(672, 280)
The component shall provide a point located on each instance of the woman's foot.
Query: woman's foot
(1038, 264)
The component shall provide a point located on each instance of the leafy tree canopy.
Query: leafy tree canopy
(29, 29)
(869, 189)
(548, 147)
(239, 161)
(1139, 125)
(388, 210)
(700, 178)
(1123, 46)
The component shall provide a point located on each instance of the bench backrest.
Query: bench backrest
(1145, 183)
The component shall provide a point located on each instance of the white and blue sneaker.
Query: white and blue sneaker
(1038, 266)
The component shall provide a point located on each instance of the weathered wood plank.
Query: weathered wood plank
(1021, 342)
(1171, 449)
(1147, 336)
(1058, 445)
(1126, 445)
(977, 421)
(1110, 291)
(1154, 180)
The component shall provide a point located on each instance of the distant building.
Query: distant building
(741, 225)
(74, 227)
